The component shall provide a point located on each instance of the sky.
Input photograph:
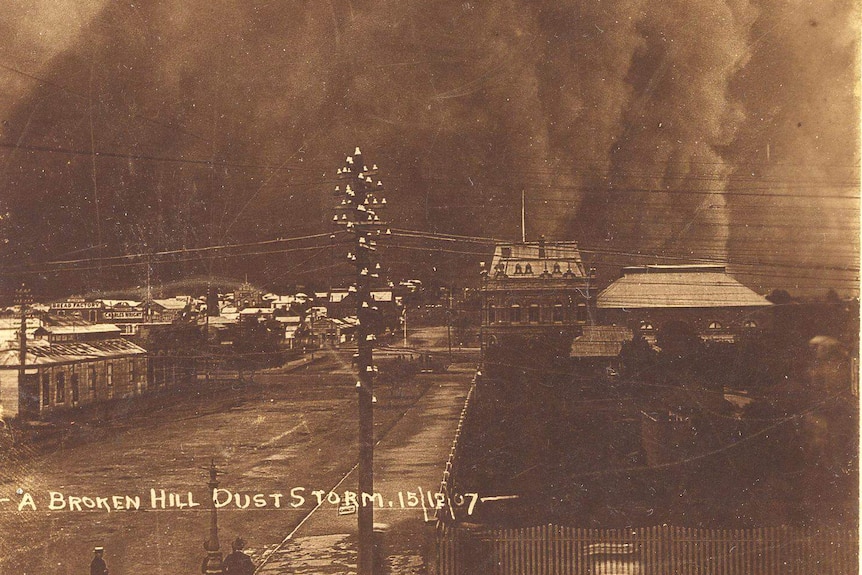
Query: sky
(649, 132)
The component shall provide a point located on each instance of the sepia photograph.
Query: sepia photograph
(367, 287)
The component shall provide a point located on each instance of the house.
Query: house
(125, 314)
(70, 366)
(246, 295)
(167, 309)
(704, 297)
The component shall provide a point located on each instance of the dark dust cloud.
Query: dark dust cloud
(721, 130)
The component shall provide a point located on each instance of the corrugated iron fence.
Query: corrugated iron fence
(661, 550)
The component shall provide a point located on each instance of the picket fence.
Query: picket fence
(660, 550)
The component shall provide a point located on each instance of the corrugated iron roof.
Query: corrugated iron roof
(677, 287)
(78, 329)
(42, 353)
(600, 341)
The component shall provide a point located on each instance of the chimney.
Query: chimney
(541, 247)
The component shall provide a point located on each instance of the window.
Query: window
(558, 313)
(61, 387)
(92, 378)
(492, 313)
(749, 324)
(516, 314)
(533, 314)
(582, 312)
(714, 325)
(109, 375)
(528, 269)
(557, 268)
(46, 389)
(132, 373)
(518, 269)
(506, 252)
(73, 381)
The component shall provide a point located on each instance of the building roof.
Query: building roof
(103, 328)
(40, 352)
(564, 257)
(600, 341)
(172, 303)
(681, 286)
(111, 303)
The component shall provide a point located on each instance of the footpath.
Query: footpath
(408, 463)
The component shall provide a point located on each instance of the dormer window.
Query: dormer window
(518, 269)
(557, 268)
(528, 269)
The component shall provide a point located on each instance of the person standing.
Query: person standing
(238, 563)
(98, 565)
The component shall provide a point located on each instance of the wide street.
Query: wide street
(284, 431)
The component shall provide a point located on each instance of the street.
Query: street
(284, 431)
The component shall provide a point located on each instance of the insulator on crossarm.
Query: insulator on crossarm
(360, 207)
(368, 180)
(356, 152)
(388, 232)
(334, 218)
(369, 369)
(377, 266)
(376, 218)
(349, 160)
(358, 384)
(370, 337)
(365, 304)
(347, 188)
(351, 289)
(361, 240)
(364, 272)
(379, 185)
(373, 398)
(374, 167)
(383, 201)
(338, 173)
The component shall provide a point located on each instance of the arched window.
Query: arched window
(558, 314)
(518, 269)
(533, 313)
(714, 325)
(516, 314)
(749, 324)
(557, 268)
(492, 313)
(528, 269)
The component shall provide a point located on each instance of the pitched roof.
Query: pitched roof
(105, 328)
(600, 341)
(681, 286)
(43, 353)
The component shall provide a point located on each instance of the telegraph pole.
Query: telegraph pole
(358, 211)
(23, 299)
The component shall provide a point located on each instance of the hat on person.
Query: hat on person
(98, 549)
(238, 543)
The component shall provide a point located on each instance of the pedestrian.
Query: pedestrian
(98, 565)
(238, 563)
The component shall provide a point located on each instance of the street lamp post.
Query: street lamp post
(213, 561)
(358, 211)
